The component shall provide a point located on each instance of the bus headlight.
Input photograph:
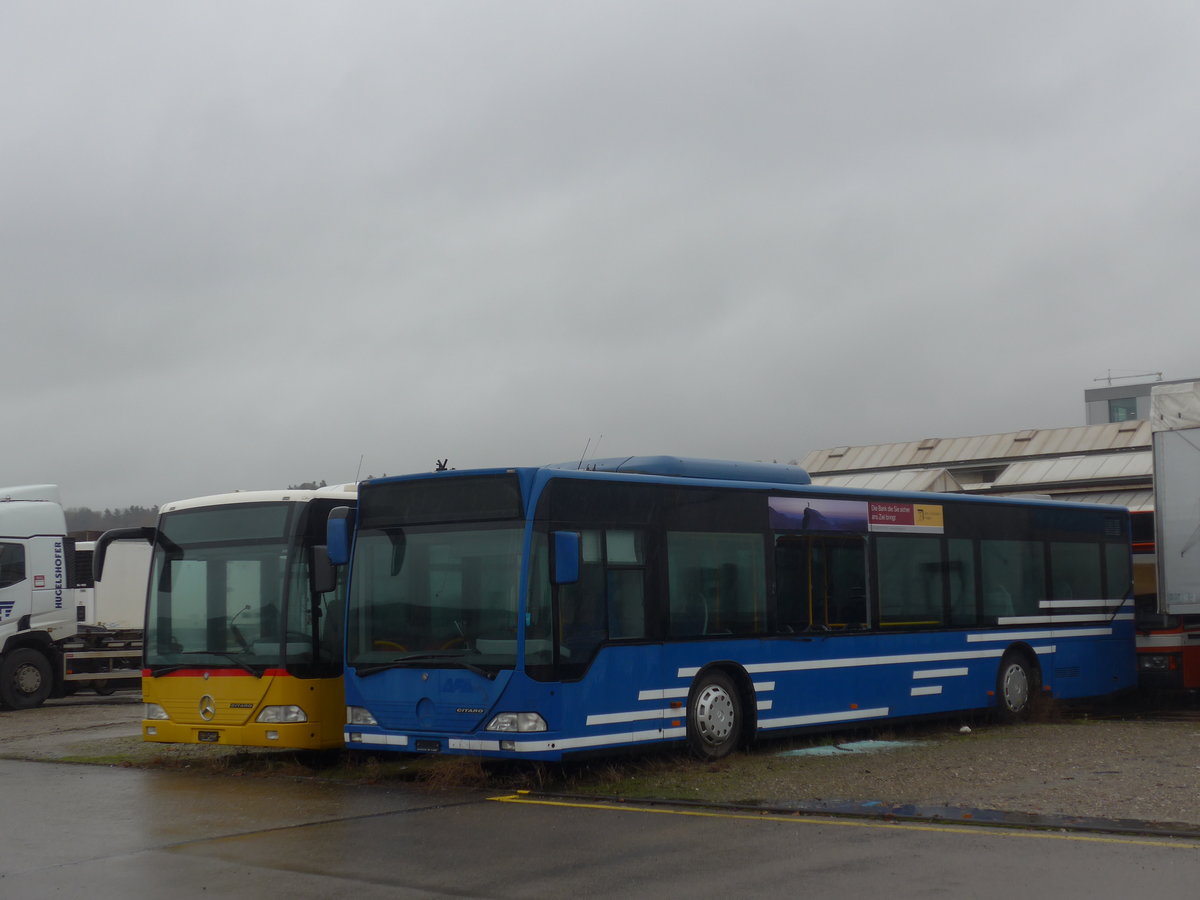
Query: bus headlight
(154, 711)
(359, 715)
(276, 714)
(518, 722)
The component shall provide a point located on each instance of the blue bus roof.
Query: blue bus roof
(732, 473)
(688, 467)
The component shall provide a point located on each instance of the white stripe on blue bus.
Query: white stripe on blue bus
(634, 716)
(385, 740)
(849, 662)
(662, 694)
(940, 673)
(599, 740)
(853, 715)
(680, 693)
(1056, 634)
(1080, 604)
(1050, 620)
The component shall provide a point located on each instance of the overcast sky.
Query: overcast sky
(248, 244)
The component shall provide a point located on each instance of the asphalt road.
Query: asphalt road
(112, 831)
(118, 832)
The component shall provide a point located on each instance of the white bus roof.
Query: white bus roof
(346, 492)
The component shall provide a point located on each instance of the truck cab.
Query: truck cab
(47, 648)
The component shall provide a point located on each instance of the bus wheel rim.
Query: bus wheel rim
(714, 714)
(1016, 687)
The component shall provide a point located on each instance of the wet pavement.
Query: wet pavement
(88, 726)
(123, 830)
(109, 832)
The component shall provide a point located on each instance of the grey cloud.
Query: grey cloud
(244, 245)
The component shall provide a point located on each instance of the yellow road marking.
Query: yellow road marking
(817, 819)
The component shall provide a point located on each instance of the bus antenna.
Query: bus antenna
(359, 471)
(585, 450)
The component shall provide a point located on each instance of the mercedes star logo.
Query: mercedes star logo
(208, 708)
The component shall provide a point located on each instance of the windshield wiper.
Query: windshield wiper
(229, 656)
(401, 662)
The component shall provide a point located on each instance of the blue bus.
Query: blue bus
(533, 613)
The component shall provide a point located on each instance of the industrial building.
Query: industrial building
(1110, 460)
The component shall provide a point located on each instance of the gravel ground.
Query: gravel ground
(1097, 763)
(1143, 770)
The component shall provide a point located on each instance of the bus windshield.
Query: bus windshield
(435, 596)
(230, 588)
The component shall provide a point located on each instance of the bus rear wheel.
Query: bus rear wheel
(1016, 686)
(25, 679)
(714, 721)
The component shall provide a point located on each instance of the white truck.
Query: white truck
(60, 631)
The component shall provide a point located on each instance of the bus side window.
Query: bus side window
(1014, 581)
(844, 564)
(960, 579)
(626, 603)
(581, 611)
(717, 583)
(791, 584)
(1075, 571)
(911, 576)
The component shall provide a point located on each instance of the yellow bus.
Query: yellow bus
(243, 637)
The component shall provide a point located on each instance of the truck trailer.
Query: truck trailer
(61, 631)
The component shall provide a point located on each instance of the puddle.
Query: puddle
(853, 747)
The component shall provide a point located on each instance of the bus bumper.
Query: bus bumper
(297, 736)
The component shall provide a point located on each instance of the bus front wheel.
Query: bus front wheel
(714, 722)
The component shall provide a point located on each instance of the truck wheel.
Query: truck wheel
(25, 679)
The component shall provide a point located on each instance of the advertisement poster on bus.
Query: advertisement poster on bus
(822, 514)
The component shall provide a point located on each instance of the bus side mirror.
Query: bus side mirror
(567, 554)
(322, 572)
(339, 528)
(100, 552)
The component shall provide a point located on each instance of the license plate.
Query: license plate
(209, 737)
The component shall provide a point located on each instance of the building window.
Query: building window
(1123, 410)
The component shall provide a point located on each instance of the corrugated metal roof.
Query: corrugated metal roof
(1135, 501)
(1080, 439)
(905, 480)
(1105, 467)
